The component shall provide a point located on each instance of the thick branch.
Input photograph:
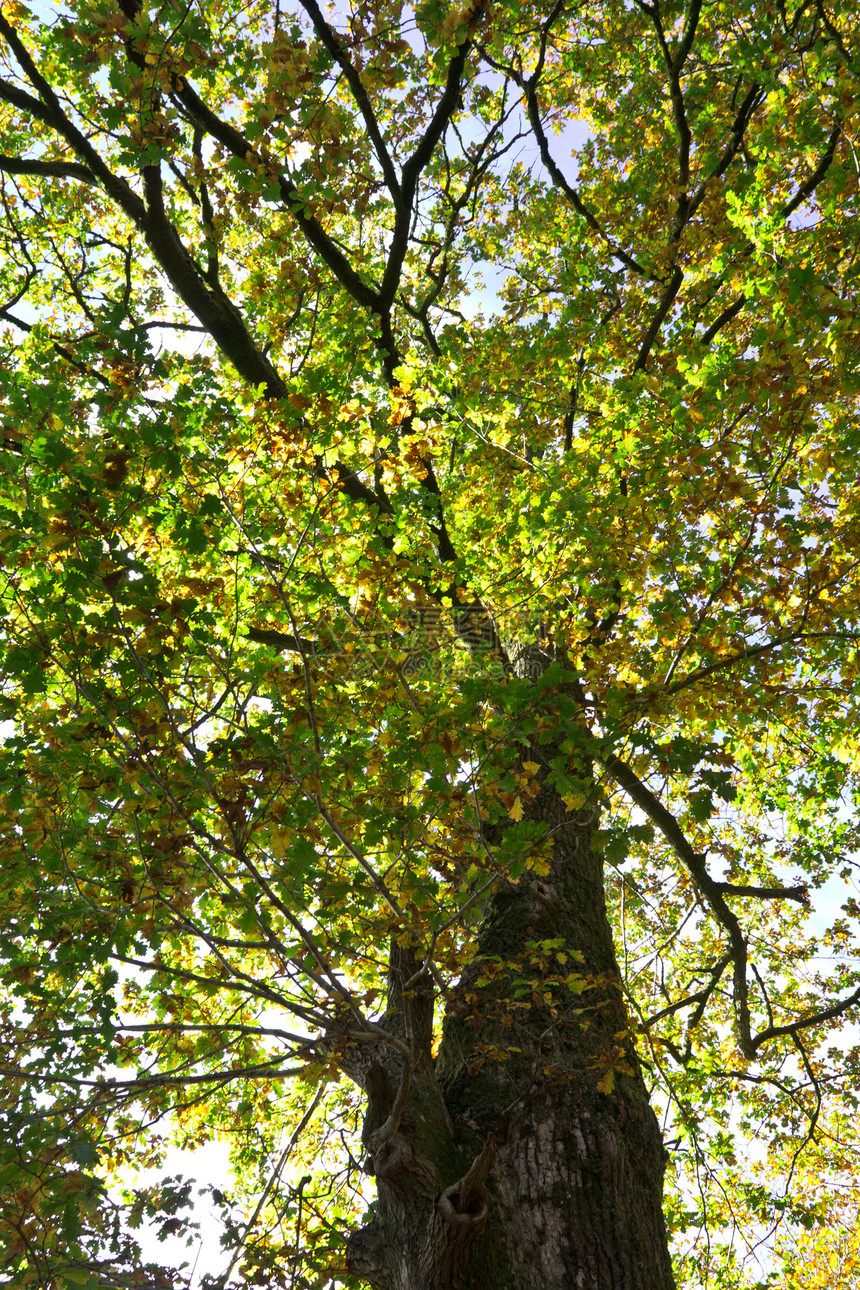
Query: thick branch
(713, 893)
(463, 1202)
(808, 187)
(742, 119)
(672, 289)
(202, 116)
(205, 300)
(282, 640)
(221, 319)
(48, 169)
(386, 1131)
(675, 66)
(444, 109)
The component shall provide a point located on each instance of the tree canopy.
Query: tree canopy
(424, 541)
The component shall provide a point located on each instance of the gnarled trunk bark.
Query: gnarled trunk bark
(511, 1169)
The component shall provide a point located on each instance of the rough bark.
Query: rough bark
(510, 1169)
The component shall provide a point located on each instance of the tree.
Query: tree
(459, 698)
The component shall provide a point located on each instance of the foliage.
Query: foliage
(308, 538)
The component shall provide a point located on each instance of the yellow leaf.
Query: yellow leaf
(606, 1083)
(516, 811)
(280, 842)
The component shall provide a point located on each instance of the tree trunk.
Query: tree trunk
(511, 1169)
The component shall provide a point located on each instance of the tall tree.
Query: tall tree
(448, 687)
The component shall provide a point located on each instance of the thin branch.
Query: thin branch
(169, 1079)
(238, 146)
(275, 1175)
(329, 38)
(700, 998)
(626, 778)
(794, 1028)
(800, 893)
(753, 651)
(47, 109)
(804, 191)
(174, 1027)
(571, 193)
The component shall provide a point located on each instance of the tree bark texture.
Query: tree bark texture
(510, 1169)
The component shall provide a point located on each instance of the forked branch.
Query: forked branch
(714, 893)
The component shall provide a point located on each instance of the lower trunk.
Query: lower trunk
(528, 1157)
